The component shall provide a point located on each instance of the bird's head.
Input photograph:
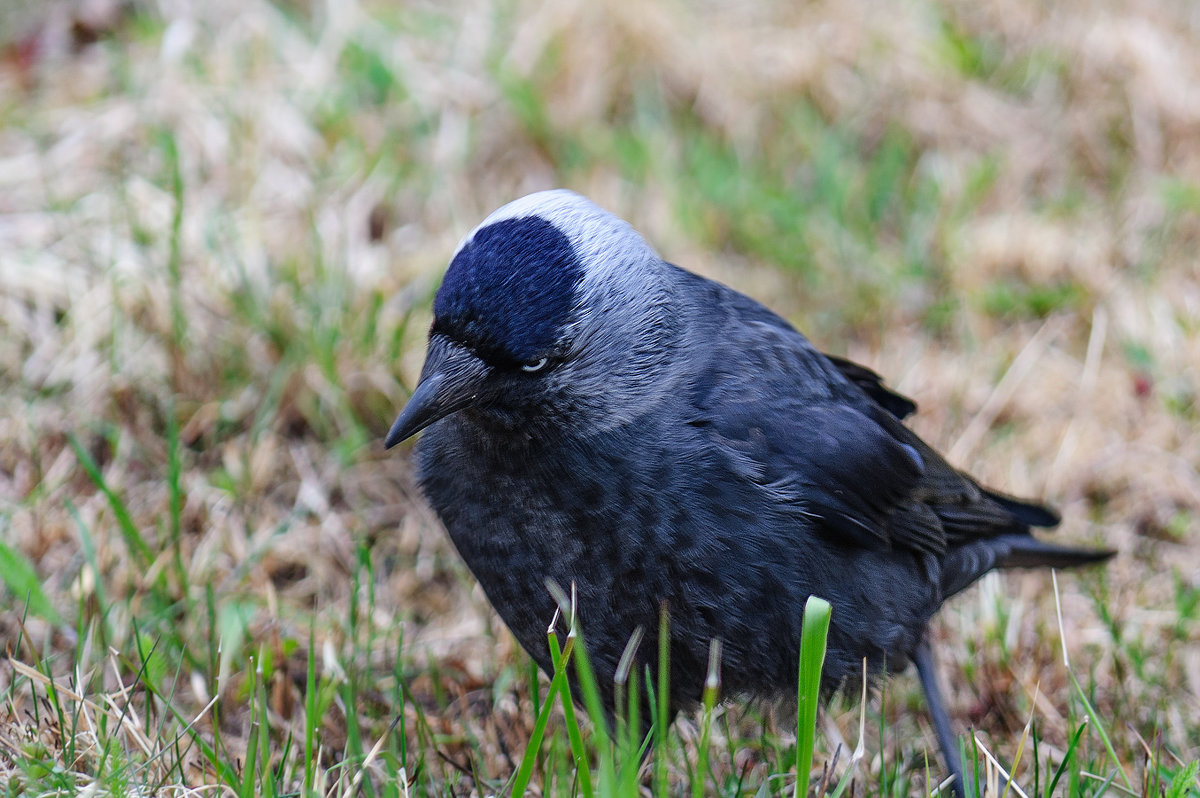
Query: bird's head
(552, 306)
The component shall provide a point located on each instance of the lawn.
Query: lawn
(221, 226)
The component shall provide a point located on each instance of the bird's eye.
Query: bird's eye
(536, 365)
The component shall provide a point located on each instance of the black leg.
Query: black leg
(923, 659)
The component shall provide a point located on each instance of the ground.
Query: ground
(221, 225)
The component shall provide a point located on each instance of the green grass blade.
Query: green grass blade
(813, 637)
(1093, 716)
(586, 677)
(1068, 758)
(712, 686)
(625, 694)
(587, 685)
(251, 764)
(583, 773)
(266, 784)
(18, 573)
(1098, 726)
(1012, 771)
(662, 718)
(175, 496)
(631, 743)
(525, 770)
(310, 709)
(137, 544)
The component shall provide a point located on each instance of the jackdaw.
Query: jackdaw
(599, 418)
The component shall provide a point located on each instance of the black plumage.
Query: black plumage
(599, 418)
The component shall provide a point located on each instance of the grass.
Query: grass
(220, 231)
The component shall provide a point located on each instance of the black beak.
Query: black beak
(452, 379)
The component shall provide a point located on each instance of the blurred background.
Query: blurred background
(221, 225)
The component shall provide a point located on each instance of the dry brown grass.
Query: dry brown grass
(303, 206)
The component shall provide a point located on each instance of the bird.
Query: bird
(593, 416)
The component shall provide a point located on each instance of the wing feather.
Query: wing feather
(824, 434)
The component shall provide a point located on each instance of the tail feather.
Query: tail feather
(965, 564)
(1025, 511)
(1024, 551)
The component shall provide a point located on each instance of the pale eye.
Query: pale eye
(536, 365)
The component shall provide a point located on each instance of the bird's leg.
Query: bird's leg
(923, 659)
